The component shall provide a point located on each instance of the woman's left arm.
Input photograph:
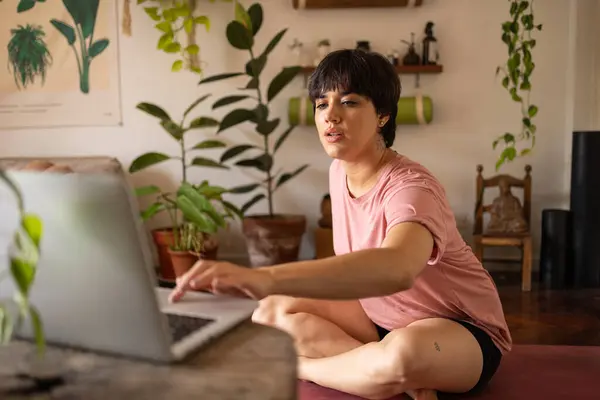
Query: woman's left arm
(391, 268)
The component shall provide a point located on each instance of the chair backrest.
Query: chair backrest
(494, 181)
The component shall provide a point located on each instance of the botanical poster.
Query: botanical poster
(60, 63)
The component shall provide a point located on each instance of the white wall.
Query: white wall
(470, 106)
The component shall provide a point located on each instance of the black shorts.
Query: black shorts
(491, 358)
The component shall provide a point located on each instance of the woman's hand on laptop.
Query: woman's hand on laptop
(220, 277)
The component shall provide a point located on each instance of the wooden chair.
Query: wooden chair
(521, 240)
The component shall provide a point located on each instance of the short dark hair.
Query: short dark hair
(368, 74)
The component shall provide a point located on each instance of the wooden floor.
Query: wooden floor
(568, 317)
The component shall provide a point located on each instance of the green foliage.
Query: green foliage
(240, 34)
(172, 17)
(195, 203)
(23, 268)
(80, 36)
(517, 72)
(28, 55)
(25, 5)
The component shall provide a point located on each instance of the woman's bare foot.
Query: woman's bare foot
(423, 394)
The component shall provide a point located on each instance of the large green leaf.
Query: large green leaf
(241, 15)
(281, 80)
(192, 213)
(273, 43)
(266, 127)
(203, 122)
(98, 47)
(209, 144)
(238, 36)
(255, 66)
(33, 225)
(282, 138)
(83, 13)
(25, 5)
(219, 77)
(255, 12)
(147, 190)
(153, 110)
(147, 160)
(232, 209)
(235, 117)
(172, 128)
(287, 176)
(229, 100)
(252, 202)
(67, 31)
(234, 151)
(207, 162)
(264, 162)
(244, 188)
(195, 103)
(38, 329)
(23, 273)
(152, 210)
(202, 203)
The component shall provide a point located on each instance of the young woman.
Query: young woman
(404, 306)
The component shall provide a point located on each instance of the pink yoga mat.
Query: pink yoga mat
(529, 372)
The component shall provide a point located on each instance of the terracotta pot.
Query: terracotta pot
(182, 261)
(273, 240)
(163, 238)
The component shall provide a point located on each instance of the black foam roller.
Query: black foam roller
(585, 208)
(556, 249)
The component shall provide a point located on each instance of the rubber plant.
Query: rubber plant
(196, 212)
(171, 18)
(22, 270)
(517, 35)
(282, 241)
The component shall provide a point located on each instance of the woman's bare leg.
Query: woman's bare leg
(321, 328)
(428, 355)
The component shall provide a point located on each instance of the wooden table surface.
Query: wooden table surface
(252, 362)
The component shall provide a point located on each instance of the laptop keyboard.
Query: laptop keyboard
(182, 325)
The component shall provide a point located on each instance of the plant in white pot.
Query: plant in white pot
(271, 238)
(172, 202)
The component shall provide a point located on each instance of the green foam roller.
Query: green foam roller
(300, 111)
(416, 110)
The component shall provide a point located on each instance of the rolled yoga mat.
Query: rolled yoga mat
(417, 110)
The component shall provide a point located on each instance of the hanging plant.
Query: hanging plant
(28, 55)
(519, 67)
(174, 17)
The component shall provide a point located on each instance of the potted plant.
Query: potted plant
(517, 71)
(271, 238)
(23, 267)
(200, 219)
(164, 237)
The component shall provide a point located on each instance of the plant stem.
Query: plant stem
(266, 145)
(84, 83)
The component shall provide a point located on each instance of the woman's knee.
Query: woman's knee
(400, 362)
(272, 309)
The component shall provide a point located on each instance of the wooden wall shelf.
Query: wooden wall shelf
(323, 4)
(402, 69)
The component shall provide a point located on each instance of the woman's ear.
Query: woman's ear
(383, 119)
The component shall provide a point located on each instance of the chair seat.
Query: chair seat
(502, 240)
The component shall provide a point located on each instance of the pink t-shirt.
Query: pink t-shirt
(454, 284)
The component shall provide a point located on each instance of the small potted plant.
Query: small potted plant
(203, 213)
(166, 201)
(271, 238)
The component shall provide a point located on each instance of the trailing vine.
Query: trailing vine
(517, 35)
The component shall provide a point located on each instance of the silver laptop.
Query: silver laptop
(96, 288)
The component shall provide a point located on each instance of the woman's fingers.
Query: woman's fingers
(183, 284)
